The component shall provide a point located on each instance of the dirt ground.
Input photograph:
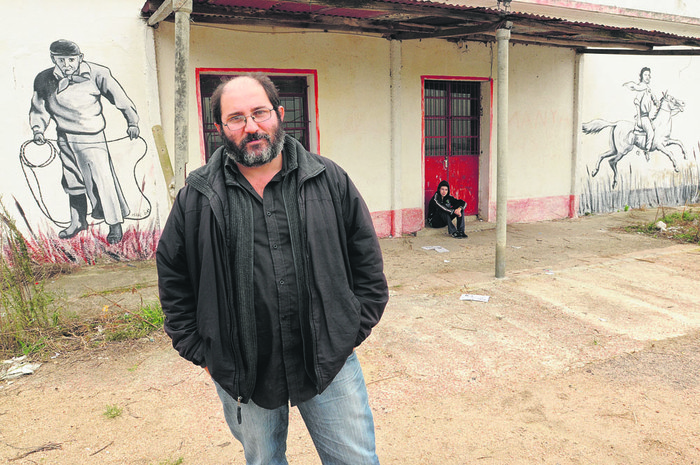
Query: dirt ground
(588, 352)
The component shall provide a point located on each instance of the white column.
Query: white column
(502, 38)
(395, 82)
(183, 9)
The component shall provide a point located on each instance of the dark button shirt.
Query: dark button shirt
(281, 373)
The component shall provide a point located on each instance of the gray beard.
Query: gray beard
(247, 158)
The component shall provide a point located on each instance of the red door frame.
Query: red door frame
(471, 163)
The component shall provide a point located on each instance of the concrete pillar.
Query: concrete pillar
(183, 9)
(578, 94)
(395, 83)
(502, 38)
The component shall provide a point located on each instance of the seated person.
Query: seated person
(443, 208)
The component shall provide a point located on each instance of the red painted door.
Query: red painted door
(451, 131)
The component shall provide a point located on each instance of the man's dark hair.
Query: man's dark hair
(267, 84)
(641, 73)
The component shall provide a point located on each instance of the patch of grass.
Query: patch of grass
(177, 461)
(28, 312)
(124, 325)
(113, 411)
(681, 226)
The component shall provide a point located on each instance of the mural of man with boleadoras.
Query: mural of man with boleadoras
(646, 104)
(70, 94)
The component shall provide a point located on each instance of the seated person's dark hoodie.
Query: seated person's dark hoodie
(441, 211)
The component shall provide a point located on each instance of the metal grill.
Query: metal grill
(452, 113)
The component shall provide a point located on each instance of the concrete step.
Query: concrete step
(471, 223)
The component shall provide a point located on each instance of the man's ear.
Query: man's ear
(280, 109)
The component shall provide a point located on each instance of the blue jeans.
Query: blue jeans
(339, 421)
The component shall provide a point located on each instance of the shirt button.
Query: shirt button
(269, 213)
(281, 281)
(274, 246)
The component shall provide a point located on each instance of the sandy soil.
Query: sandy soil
(587, 353)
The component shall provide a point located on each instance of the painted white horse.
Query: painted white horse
(624, 136)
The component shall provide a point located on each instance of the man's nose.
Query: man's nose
(250, 125)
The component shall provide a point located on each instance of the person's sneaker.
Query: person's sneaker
(458, 235)
(462, 235)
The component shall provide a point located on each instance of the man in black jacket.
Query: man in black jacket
(443, 208)
(270, 274)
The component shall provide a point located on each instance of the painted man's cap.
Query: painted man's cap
(64, 48)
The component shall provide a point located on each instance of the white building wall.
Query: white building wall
(540, 121)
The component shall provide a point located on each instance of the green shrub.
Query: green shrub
(27, 312)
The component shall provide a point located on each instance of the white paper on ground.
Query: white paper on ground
(437, 248)
(475, 297)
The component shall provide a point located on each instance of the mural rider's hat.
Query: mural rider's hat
(64, 48)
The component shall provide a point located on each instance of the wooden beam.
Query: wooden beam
(163, 11)
(452, 32)
(340, 24)
(577, 43)
(673, 52)
(387, 10)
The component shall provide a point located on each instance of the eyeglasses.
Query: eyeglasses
(237, 122)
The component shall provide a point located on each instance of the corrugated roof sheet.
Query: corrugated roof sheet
(419, 19)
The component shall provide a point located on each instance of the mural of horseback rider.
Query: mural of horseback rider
(625, 135)
(647, 106)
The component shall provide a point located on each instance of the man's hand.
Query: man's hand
(39, 138)
(133, 132)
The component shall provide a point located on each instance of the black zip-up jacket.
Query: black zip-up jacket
(341, 259)
(447, 204)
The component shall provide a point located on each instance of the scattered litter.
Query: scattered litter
(475, 297)
(602, 319)
(660, 225)
(447, 261)
(516, 246)
(16, 367)
(56, 355)
(437, 248)
(548, 272)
